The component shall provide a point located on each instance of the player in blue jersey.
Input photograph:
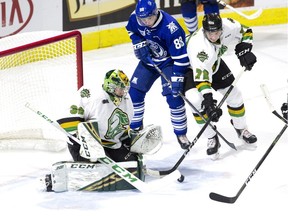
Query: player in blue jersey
(158, 39)
(189, 12)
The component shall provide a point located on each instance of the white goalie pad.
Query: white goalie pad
(75, 176)
(90, 141)
(147, 141)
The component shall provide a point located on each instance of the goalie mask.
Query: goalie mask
(117, 85)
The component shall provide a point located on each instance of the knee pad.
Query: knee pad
(174, 102)
(235, 97)
(195, 98)
(136, 95)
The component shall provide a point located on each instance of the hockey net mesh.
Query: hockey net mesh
(43, 69)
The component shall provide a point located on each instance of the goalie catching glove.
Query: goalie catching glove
(146, 141)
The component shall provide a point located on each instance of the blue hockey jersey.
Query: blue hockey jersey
(166, 40)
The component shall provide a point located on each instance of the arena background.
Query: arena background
(102, 22)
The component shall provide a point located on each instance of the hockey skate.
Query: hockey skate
(245, 135)
(212, 147)
(46, 183)
(183, 141)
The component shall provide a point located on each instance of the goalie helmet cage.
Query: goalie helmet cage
(44, 69)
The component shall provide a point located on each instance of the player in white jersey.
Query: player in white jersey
(205, 49)
(101, 119)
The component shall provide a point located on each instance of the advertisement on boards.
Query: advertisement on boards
(18, 16)
(88, 13)
(79, 14)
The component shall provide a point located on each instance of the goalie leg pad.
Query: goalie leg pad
(81, 176)
(146, 141)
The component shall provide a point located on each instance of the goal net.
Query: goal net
(43, 69)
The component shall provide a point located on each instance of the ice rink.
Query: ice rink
(266, 193)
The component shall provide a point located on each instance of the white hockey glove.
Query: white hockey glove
(90, 141)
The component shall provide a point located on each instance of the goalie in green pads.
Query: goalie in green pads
(101, 123)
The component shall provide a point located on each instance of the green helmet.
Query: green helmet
(116, 83)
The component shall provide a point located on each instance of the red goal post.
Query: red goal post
(45, 69)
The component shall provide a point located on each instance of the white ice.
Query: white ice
(265, 194)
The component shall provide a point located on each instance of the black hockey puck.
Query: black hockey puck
(181, 179)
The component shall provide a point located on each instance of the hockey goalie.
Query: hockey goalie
(100, 122)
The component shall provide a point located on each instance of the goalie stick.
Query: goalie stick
(226, 199)
(157, 173)
(193, 107)
(115, 167)
(249, 17)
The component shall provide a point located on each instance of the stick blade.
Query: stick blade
(256, 14)
(221, 198)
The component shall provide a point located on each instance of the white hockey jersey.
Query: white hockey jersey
(112, 120)
(205, 56)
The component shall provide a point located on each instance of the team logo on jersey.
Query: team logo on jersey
(134, 80)
(222, 50)
(172, 27)
(202, 56)
(117, 122)
(85, 93)
(157, 50)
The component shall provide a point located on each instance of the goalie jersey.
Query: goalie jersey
(113, 121)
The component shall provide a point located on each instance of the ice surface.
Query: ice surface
(266, 193)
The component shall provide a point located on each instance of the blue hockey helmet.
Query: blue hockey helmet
(145, 8)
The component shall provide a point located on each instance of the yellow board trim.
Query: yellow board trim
(110, 37)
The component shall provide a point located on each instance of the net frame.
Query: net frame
(36, 138)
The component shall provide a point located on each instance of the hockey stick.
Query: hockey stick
(225, 199)
(166, 172)
(115, 167)
(249, 17)
(268, 100)
(193, 107)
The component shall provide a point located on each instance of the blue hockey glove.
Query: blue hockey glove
(210, 107)
(246, 57)
(177, 85)
(142, 51)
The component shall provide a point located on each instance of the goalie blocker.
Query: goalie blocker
(94, 176)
